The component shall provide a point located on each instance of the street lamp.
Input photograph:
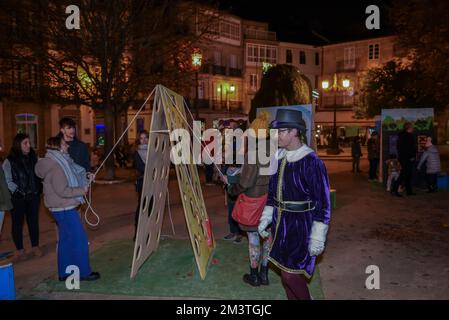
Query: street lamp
(230, 90)
(197, 60)
(221, 96)
(334, 148)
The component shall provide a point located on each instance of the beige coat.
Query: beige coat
(57, 193)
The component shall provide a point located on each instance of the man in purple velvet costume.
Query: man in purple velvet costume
(298, 206)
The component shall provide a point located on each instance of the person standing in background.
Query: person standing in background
(78, 150)
(140, 158)
(373, 156)
(25, 188)
(356, 152)
(406, 157)
(231, 169)
(5, 197)
(431, 157)
(393, 170)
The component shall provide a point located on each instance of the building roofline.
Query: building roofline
(297, 44)
(259, 23)
(358, 40)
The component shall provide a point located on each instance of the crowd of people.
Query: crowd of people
(62, 175)
(285, 222)
(284, 215)
(402, 166)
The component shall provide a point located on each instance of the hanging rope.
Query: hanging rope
(193, 132)
(93, 176)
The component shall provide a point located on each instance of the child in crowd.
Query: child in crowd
(393, 169)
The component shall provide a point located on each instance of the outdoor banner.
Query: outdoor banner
(393, 121)
(306, 110)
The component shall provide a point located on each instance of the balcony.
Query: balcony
(23, 90)
(233, 72)
(342, 102)
(260, 35)
(221, 70)
(218, 70)
(341, 66)
(222, 105)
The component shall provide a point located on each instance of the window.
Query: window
(349, 58)
(317, 59)
(302, 57)
(27, 123)
(230, 30)
(288, 56)
(373, 52)
(217, 58)
(16, 75)
(253, 81)
(261, 53)
(233, 61)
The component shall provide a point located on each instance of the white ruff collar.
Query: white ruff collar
(293, 155)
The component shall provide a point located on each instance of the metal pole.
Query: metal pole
(334, 134)
(197, 95)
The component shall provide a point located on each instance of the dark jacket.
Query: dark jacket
(356, 150)
(406, 147)
(373, 149)
(139, 165)
(79, 152)
(5, 195)
(23, 176)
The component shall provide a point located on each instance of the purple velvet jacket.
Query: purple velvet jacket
(303, 180)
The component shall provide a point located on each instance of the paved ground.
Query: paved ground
(408, 238)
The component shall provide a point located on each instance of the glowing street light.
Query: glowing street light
(197, 60)
(345, 84)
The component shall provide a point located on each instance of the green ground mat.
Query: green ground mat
(171, 272)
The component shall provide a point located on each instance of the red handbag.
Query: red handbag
(247, 210)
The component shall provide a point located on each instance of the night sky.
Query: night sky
(296, 20)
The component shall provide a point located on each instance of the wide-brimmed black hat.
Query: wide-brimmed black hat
(286, 118)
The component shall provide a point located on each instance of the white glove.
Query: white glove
(317, 238)
(265, 220)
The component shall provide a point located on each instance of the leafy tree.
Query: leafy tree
(393, 86)
(282, 85)
(122, 49)
(422, 28)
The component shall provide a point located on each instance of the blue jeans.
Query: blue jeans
(2, 216)
(73, 248)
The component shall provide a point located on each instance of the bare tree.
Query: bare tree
(121, 50)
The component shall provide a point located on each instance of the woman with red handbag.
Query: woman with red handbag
(252, 192)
